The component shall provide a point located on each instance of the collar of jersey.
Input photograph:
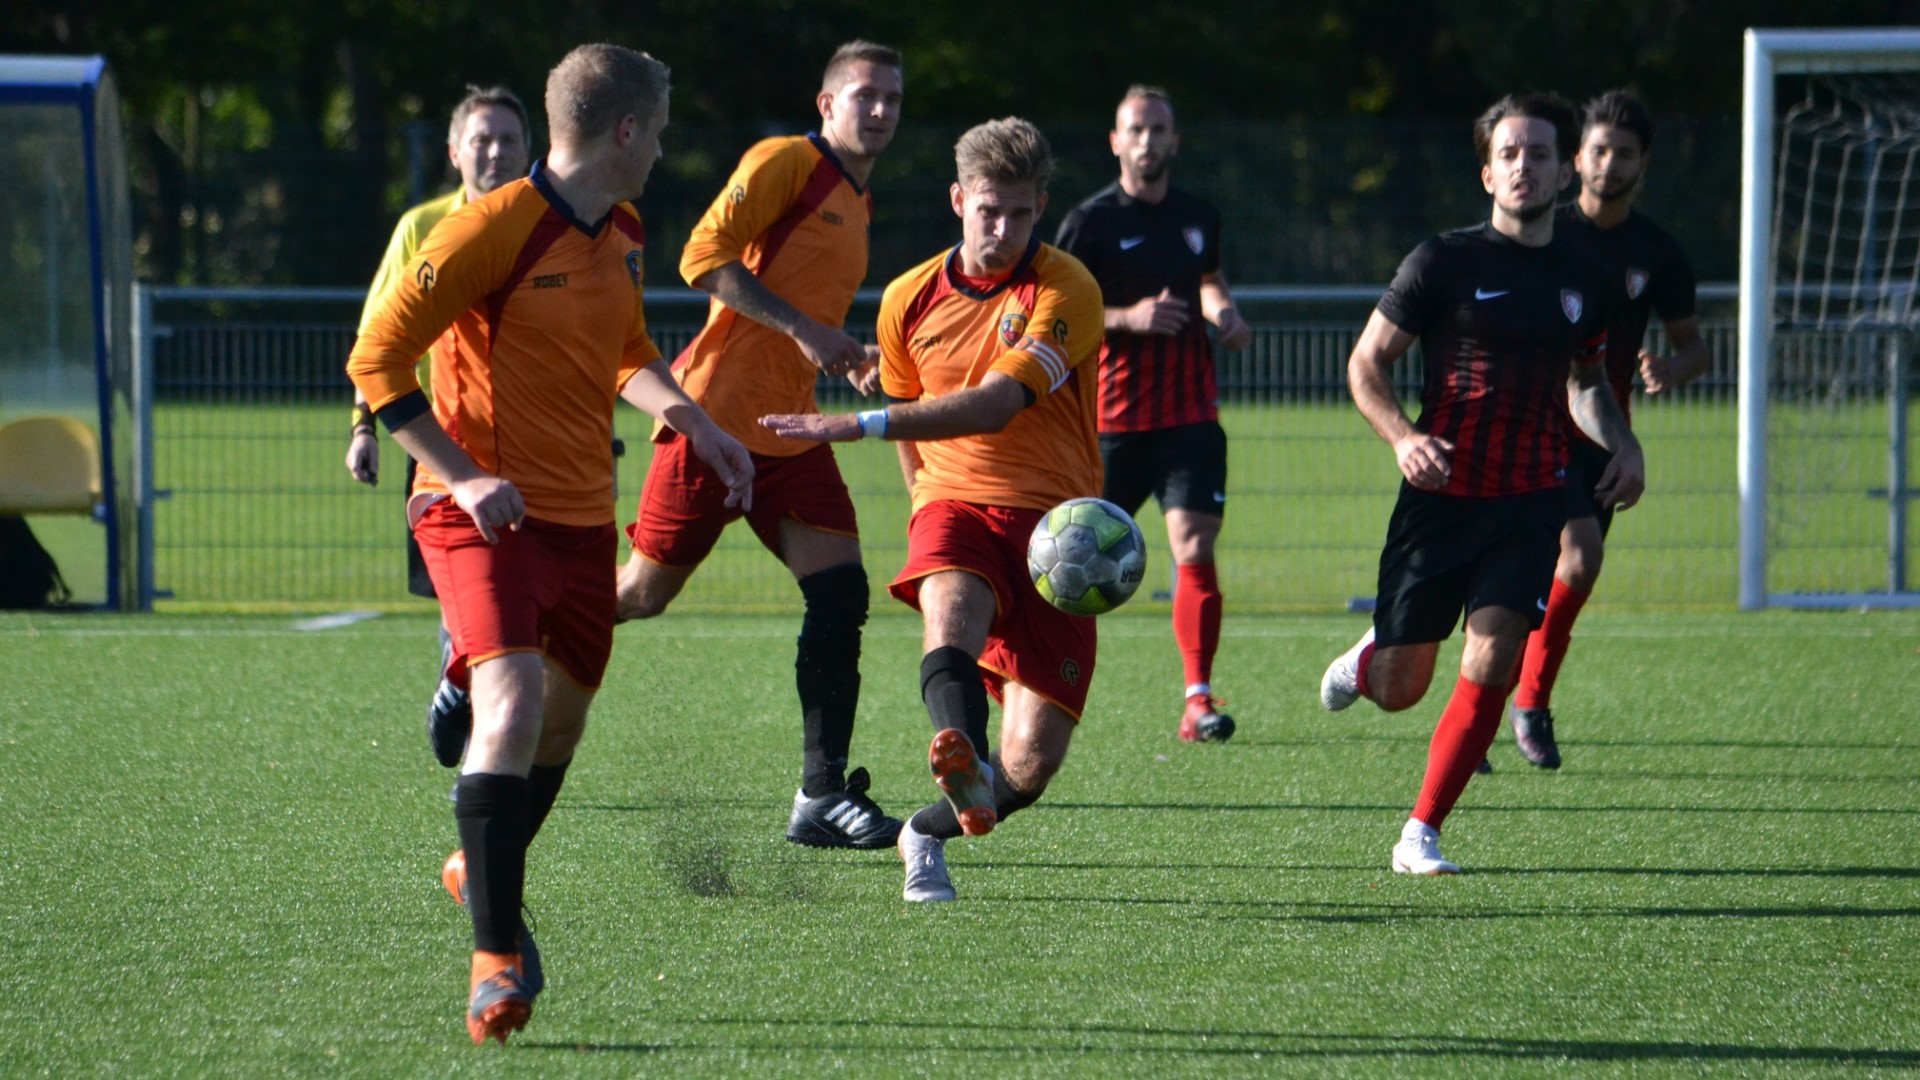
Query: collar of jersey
(538, 177)
(960, 286)
(819, 142)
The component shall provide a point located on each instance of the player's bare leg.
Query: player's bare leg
(1582, 551)
(831, 808)
(1196, 621)
(645, 587)
(1496, 637)
(493, 807)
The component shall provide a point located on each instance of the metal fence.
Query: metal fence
(248, 428)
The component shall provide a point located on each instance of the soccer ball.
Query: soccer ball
(1086, 556)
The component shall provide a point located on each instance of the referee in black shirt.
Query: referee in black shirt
(1156, 252)
(1512, 322)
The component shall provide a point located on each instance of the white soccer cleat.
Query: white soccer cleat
(1340, 686)
(926, 859)
(1418, 851)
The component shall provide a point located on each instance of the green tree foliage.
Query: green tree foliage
(263, 135)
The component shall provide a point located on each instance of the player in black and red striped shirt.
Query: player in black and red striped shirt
(1156, 252)
(1614, 140)
(1512, 324)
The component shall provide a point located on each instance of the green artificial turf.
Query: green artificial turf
(220, 840)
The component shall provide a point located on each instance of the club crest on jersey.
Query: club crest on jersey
(1572, 304)
(633, 267)
(1636, 282)
(1013, 328)
(1195, 239)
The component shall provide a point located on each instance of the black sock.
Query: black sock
(955, 697)
(545, 781)
(826, 670)
(494, 813)
(937, 821)
(1007, 798)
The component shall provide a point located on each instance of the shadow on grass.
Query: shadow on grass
(1300, 912)
(1893, 873)
(1207, 807)
(1130, 1041)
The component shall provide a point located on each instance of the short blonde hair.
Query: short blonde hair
(1006, 151)
(596, 86)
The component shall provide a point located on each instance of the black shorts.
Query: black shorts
(1448, 555)
(419, 583)
(1585, 466)
(1184, 467)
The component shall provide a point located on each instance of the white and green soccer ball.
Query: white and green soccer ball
(1086, 556)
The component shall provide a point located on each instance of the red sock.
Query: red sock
(1460, 741)
(1196, 619)
(1547, 647)
(1365, 661)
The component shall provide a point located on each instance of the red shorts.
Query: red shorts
(544, 589)
(683, 504)
(1031, 642)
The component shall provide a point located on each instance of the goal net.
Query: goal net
(1830, 269)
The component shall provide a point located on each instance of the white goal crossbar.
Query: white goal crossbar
(1771, 53)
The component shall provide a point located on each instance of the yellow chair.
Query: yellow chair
(49, 465)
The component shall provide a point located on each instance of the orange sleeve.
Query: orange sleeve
(1064, 331)
(899, 377)
(762, 188)
(460, 262)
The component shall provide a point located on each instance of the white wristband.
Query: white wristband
(873, 424)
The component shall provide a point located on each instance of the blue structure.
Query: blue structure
(66, 345)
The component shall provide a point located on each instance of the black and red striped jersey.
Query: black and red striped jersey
(1499, 324)
(1652, 269)
(1136, 249)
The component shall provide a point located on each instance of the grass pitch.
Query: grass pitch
(220, 840)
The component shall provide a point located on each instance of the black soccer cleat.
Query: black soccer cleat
(1533, 730)
(1485, 768)
(449, 723)
(842, 819)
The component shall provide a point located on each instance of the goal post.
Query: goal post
(1860, 305)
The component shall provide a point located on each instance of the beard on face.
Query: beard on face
(1528, 213)
(1158, 172)
(1613, 192)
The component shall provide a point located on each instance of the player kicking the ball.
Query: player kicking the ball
(987, 354)
(1513, 323)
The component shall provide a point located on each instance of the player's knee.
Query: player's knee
(641, 605)
(836, 598)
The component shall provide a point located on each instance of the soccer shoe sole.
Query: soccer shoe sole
(449, 725)
(1334, 698)
(957, 771)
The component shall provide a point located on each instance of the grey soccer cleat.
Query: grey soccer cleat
(1340, 686)
(926, 861)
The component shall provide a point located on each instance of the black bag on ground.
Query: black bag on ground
(29, 578)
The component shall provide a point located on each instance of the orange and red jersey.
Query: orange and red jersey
(794, 219)
(1042, 326)
(539, 325)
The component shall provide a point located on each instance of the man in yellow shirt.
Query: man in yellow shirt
(487, 144)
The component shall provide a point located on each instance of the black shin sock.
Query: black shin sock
(955, 697)
(494, 813)
(826, 671)
(544, 783)
(937, 821)
(1007, 798)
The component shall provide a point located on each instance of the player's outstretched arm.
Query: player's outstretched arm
(1687, 362)
(1216, 304)
(1425, 460)
(653, 391)
(977, 410)
(1594, 409)
(832, 351)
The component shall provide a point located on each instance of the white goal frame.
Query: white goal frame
(1771, 53)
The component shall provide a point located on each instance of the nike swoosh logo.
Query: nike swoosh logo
(1482, 294)
(1219, 496)
(1542, 604)
(1128, 243)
